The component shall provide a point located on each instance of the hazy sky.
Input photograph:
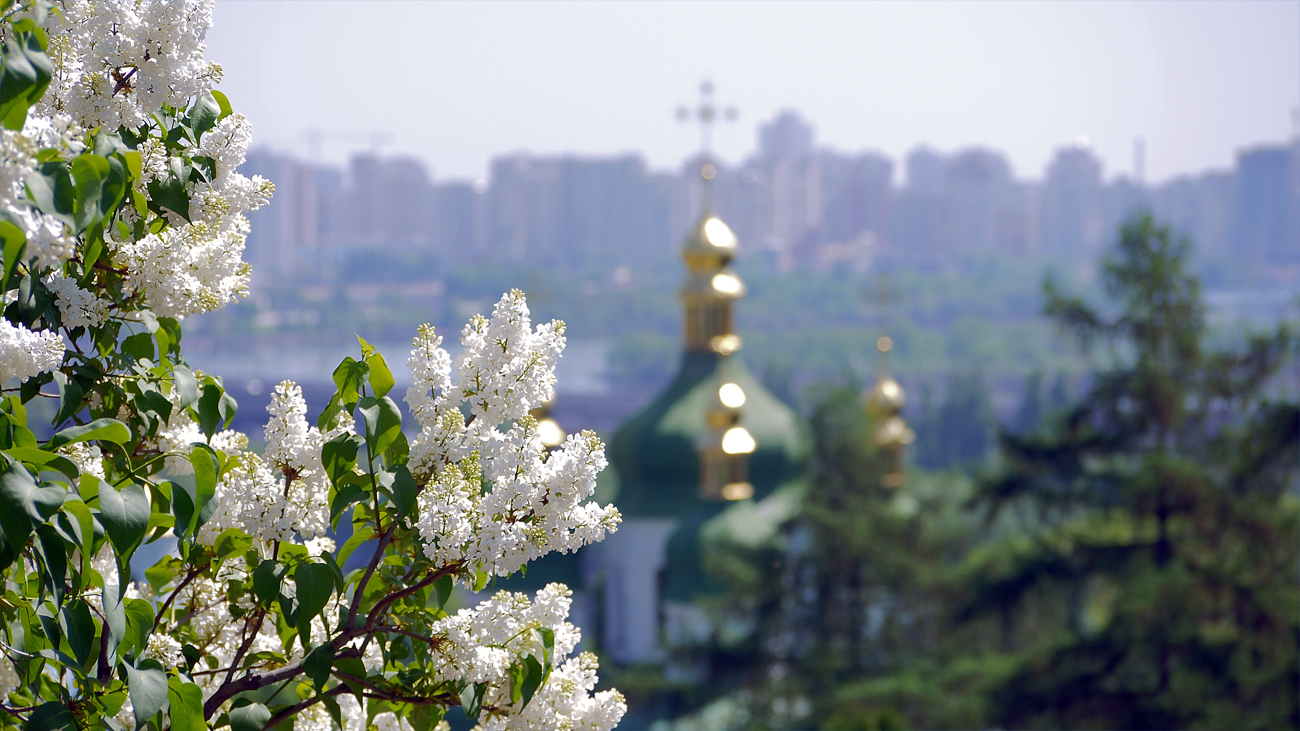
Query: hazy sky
(458, 83)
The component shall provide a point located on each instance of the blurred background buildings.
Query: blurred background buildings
(794, 205)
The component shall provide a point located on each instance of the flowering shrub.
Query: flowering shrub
(122, 213)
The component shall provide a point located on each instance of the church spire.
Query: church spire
(711, 285)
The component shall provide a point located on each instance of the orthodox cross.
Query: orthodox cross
(706, 113)
(884, 296)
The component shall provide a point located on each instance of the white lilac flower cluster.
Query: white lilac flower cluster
(117, 62)
(77, 307)
(484, 641)
(535, 504)
(24, 353)
(283, 494)
(49, 243)
(88, 458)
(196, 265)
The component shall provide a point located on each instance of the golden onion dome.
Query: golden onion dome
(710, 246)
(886, 398)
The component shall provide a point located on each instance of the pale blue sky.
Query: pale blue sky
(456, 83)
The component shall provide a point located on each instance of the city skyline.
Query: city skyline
(1197, 81)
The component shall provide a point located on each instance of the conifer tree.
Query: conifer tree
(1159, 587)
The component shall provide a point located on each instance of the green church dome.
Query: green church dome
(655, 452)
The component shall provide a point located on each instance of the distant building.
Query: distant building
(979, 191)
(1267, 220)
(286, 240)
(576, 211)
(1073, 206)
(788, 135)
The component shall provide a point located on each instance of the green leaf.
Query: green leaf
(15, 241)
(318, 663)
(339, 455)
(404, 490)
(80, 629)
(147, 685)
(226, 409)
(71, 392)
(358, 537)
(207, 471)
(471, 700)
(381, 379)
(327, 417)
(173, 329)
(42, 458)
(25, 72)
(50, 187)
(224, 103)
(125, 515)
(49, 717)
(184, 383)
(348, 493)
(139, 624)
(204, 114)
(183, 508)
(443, 587)
(53, 560)
(383, 422)
(168, 191)
(89, 172)
(252, 717)
(139, 346)
(348, 378)
(108, 430)
(231, 542)
(314, 583)
(267, 578)
(16, 487)
(531, 682)
(134, 164)
(209, 406)
(185, 706)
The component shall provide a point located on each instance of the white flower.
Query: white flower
(535, 504)
(285, 493)
(164, 649)
(9, 678)
(117, 62)
(77, 307)
(88, 458)
(482, 643)
(24, 353)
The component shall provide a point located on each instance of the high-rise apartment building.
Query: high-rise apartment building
(1073, 205)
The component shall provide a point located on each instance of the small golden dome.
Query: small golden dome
(894, 432)
(713, 286)
(724, 412)
(711, 246)
(886, 398)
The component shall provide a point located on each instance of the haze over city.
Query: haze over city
(1197, 81)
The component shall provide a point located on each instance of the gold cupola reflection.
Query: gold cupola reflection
(553, 435)
(884, 404)
(725, 447)
(711, 287)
